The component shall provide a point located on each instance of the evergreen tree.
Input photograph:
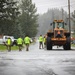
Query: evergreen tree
(28, 19)
(73, 15)
(45, 19)
(8, 15)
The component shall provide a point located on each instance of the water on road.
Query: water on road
(38, 62)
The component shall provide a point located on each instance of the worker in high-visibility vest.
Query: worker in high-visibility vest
(20, 43)
(40, 41)
(44, 40)
(27, 42)
(9, 44)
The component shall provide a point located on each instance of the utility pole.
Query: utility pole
(69, 15)
(69, 21)
(62, 14)
(53, 15)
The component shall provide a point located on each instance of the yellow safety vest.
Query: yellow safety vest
(19, 41)
(40, 39)
(9, 42)
(44, 40)
(27, 40)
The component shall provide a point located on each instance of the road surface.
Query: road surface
(38, 62)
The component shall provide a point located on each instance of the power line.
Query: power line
(55, 4)
(48, 4)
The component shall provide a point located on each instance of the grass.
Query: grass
(73, 45)
(3, 48)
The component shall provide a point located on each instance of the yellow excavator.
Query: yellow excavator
(58, 36)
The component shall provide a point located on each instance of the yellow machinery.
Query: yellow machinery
(62, 40)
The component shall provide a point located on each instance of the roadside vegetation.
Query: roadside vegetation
(14, 48)
(73, 45)
(4, 48)
(18, 19)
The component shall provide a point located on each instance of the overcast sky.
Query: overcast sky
(44, 5)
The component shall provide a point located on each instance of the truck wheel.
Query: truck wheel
(68, 43)
(49, 43)
(67, 46)
(64, 46)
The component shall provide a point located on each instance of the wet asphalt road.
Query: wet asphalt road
(38, 62)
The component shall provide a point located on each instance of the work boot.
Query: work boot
(20, 50)
(9, 50)
(27, 49)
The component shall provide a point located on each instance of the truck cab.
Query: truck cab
(5, 37)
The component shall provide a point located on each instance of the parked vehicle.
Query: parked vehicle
(72, 40)
(14, 42)
(1, 41)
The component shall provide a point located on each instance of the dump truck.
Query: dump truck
(64, 36)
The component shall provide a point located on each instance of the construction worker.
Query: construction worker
(40, 42)
(44, 40)
(27, 42)
(20, 43)
(58, 34)
(9, 44)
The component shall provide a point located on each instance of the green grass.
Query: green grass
(73, 45)
(3, 48)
